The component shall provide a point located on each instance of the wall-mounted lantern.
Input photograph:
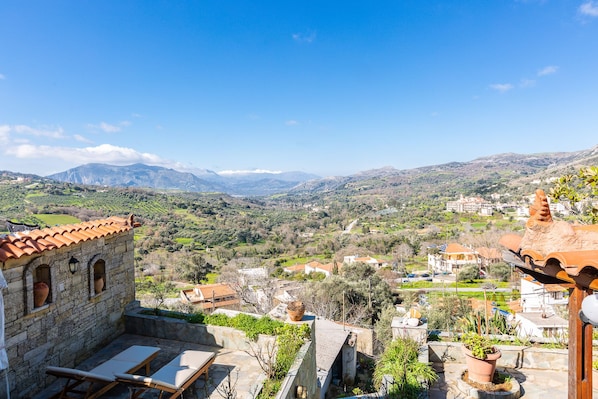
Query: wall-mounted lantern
(73, 264)
(589, 309)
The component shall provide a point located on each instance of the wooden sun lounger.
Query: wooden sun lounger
(101, 379)
(176, 376)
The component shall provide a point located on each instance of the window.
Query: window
(42, 286)
(99, 276)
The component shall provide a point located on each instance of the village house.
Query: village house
(314, 266)
(488, 256)
(470, 205)
(209, 297)
(368, 260)
(452, 257)
(85, 275)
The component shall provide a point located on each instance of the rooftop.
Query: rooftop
(23, 243)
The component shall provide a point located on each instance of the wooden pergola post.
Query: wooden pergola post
(580, 348)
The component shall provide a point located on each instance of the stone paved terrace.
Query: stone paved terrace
(244, 368)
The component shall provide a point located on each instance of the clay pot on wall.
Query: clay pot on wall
(40, 293)
(98, 283)
(296, 309)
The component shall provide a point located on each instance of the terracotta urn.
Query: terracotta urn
(40, 293)
(481, 370)
(98, 284)
(296, 309)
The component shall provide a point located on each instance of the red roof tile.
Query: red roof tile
(38, 241)
(455, 248)
(559, 249)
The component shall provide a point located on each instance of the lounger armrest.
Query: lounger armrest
(141, 380)
(75, 374)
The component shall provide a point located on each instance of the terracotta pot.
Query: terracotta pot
(296, 309)
(98, 284)
(40, 294)
(481, 370)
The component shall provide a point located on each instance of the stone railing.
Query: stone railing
(512, 356)
(303, 372)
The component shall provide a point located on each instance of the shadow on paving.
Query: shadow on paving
(245, 373)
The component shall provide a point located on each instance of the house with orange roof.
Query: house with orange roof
(298, 268)
(209, 297)
(314, 266)
(452, 257)
(327, 269)
(68, 287)
(363, 259)
(488, 256)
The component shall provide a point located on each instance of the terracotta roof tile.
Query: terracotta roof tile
(40, 240)
(295, 268)
(453, 248)
(547, 243)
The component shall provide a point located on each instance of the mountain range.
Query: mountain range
(481, 175)
(156, 177)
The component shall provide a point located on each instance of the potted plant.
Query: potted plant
(481, 356)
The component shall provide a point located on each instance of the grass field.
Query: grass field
(52, 220)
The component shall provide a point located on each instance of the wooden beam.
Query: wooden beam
(580, 349)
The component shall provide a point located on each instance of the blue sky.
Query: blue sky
(326, 87)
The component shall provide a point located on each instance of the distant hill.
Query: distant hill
(486, 175)
(156, 177)
(497, 173)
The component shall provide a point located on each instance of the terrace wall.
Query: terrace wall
(303, 372)
(512, 356)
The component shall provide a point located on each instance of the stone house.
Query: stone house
(89, 273)
(209, 297)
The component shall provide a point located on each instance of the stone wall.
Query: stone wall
(170, 328)
(512, 356)
(77, 320)
(303, 373)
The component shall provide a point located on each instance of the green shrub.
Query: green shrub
(196, 318)
(410, 376)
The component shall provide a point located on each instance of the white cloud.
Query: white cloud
(549, 70)
(527, 83)
(4, 133)
(501, 87)
(55, 133)
(291, 122)
(306, 37)
(110, 128)
(82, 139)
(104, 153)
(2, 77)
(589, 8)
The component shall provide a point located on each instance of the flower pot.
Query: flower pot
(296, 309)
(481, 370)
(98, 284)
(40, 294)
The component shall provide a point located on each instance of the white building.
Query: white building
(538, 317)
(451, 258)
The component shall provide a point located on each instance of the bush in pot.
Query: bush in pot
(481, 356)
